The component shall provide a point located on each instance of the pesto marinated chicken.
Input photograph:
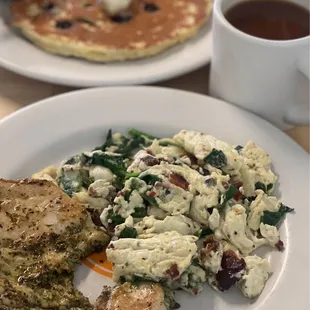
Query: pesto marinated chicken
(181, 211)
(44, 234)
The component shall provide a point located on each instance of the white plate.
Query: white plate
(53, 129)
(22, 57)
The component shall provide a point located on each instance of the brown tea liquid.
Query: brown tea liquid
(270, 19)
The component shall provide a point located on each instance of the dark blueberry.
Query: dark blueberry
(122, 18)
(150, 7)
(49, 6)
(64, 24)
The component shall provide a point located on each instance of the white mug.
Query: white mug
(269, 78)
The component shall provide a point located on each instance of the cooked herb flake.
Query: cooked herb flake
(128, 232)
(115, 218)
(151, 200)
(229, 194)
(263, 187)
(274, 218)
(205, 232)
(139, 213)
(216, 158)
(151, 179)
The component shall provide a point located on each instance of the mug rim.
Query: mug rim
(218, 11)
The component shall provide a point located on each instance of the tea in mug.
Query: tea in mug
(270, 19)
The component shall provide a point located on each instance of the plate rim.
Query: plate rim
(46, 101)
(86, 84)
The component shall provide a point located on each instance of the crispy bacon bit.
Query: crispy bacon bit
(178, 180)
(280, 245)
(91, 191)
(120, 193)
(238, 184)
(152, 194)
(148, 150)
(210, 245)
(192, 158)
(225, 184)
(173, 272)
(238, 195)
(232, 267)
(150, 160)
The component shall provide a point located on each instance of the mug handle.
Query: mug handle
(299, 114)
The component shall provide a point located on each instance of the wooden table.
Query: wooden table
(17, 91)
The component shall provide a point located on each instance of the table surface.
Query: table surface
(17, 92)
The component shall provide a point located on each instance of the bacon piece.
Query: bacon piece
(178, 180)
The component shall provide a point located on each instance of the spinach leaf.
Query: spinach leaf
(139, 213)
(113, 162)
(151, 179)
(216, 158)
(127, 146)
(128, 232)
(203, 232)
(167, 143)
(119, 183)
(115, 218)
(139, 134)
(108, 142)
(195, 262)
(151, 200)
(229, 194)
(124, 145)
(274, 218)
(263, 187)
(127, 195)
(132, 175)
(87, 181)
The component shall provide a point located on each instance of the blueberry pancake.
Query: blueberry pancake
(109, 30)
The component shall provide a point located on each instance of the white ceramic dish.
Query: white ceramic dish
(53, 129)
(22, 57)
